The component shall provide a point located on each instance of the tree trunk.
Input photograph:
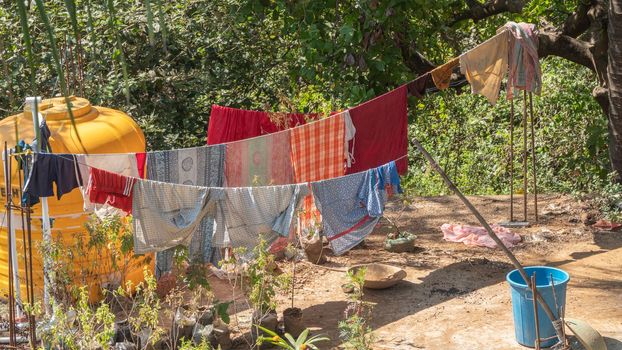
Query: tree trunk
(614, 73)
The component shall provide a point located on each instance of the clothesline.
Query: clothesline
(72, 159)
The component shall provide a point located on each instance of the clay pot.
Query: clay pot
(401, 244)
(292, 321)
(314, 250)
(268, 321)
(380, 276)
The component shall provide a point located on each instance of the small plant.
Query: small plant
(302, 343)
(394, 219)
(79, 327)
(263, 282)
(608, 200)
(355, 330)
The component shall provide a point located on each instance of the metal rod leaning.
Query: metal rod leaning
(536, 320)
(557, 325)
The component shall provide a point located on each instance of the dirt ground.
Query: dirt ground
(455, 296)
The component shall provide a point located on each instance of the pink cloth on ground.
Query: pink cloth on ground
(477, 236)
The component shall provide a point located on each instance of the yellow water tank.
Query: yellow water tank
(101, 130)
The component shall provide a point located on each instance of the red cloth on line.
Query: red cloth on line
(381, 131)
(109, 188)
(141, 160)
(228, 124)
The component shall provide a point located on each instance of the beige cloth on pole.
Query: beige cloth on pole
(486, 65)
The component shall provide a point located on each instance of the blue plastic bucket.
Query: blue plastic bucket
(522, 303)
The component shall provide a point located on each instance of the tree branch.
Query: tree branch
(577, 51)
(478, 11)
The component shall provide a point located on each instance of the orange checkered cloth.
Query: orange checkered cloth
(317, 154)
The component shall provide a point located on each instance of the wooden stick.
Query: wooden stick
(511, 160)
(524, 121)
(533, 158)
(534, 290)
(492, 235)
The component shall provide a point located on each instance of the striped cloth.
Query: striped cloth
(524, 65)
(317, 154)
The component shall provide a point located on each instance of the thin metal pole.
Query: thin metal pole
(17, 295)
(7, 187)
(31, 317)
(511, 160)
(534, 290)
(558, 326)
(525, 155)
(533, 158)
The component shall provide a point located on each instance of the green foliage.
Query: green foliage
(355, 329)
(301, 343)
(262, 281)
(80, 326)
(175, 59)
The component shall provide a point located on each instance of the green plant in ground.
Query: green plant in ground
(141, 307)
(608, 200)
(189, 345)
(79, 326)
(302, 343)
(355, 330)
(262, 280)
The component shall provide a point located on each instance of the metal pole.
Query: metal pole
(7, 213)
(45, 214)
(17, 295)
(525, 155)
(534, 290)
(533, 158)
(511, 160)
(558, 326)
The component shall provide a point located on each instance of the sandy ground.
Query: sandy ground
(455, 296)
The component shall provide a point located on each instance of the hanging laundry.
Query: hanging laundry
(125, 164)
(228, 124)
(141, 164)
(352, 205)
(417, 87)
(259, 161)
(524, 64)
(381, 131)
(109, 188)
(317, 151)
(350, 132)
(441, 75)
(485, 66)
(198, 166)
(166, 215)
(48, 169)
(478, 236)
(246, 213)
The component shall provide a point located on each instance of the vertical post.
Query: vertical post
(511, 160)
(533, 158)
(16, 285)
(45, 214)
(536, 320)
(8, 214)
(525, 155)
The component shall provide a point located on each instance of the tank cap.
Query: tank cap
(56, 108)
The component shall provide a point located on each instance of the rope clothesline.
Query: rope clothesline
(74, 159)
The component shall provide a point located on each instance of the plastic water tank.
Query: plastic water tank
(101, 130)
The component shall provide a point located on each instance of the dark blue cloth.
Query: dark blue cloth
(48, 169)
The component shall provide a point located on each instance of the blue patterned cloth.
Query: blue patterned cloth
(352, 205)
(199, 166)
